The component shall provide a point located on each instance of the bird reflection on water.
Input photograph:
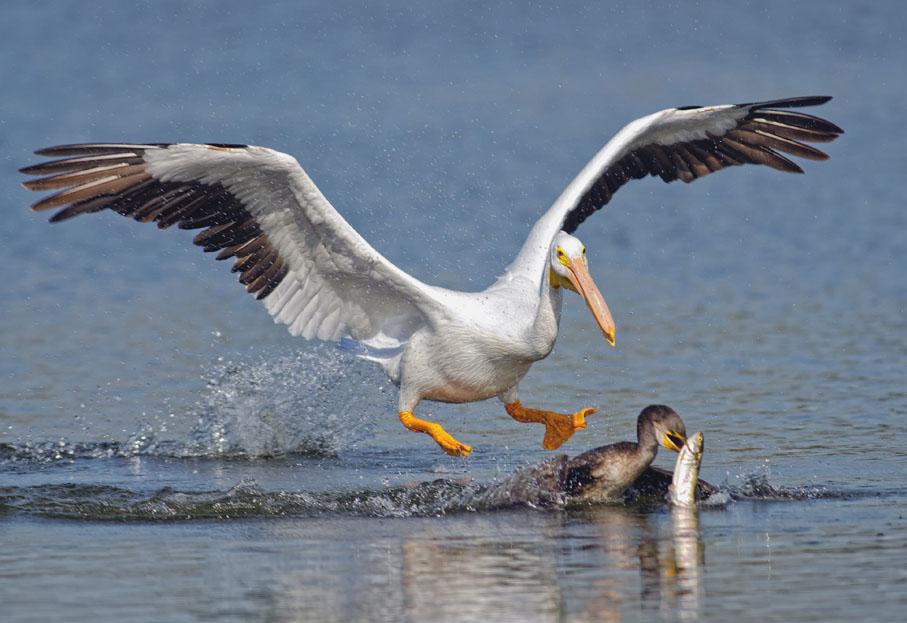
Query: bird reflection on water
(687, 555)
(590, 563)
(520, 570)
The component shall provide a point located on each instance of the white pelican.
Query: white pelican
(319, 277)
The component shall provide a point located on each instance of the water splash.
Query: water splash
(313, 403)
(757, 487)
(718, 500)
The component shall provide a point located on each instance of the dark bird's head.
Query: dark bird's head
(660, 424)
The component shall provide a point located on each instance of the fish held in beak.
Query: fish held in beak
(685, 481)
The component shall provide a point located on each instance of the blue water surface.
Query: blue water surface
(768, 309)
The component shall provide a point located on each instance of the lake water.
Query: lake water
(168, 453)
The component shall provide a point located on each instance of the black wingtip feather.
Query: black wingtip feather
(799, 120)
(87, 149)
(791, 102)
(61, 215)
(34, 169)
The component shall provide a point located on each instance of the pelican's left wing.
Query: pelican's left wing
(686, 144)
(292, 248)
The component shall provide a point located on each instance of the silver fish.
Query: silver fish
(686, 472)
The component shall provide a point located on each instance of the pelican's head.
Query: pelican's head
(568, 269)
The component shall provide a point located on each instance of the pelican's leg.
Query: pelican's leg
(450, 445)
(559, 427)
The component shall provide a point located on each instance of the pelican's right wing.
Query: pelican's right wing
(681, 143)
(292, 248)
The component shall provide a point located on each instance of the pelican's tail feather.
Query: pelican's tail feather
(388, 357)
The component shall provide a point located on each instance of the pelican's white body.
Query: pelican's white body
(480, 345)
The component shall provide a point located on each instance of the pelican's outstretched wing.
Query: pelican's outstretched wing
(682, 143)
(292, 249)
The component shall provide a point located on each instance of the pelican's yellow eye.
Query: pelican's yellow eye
(584, 250)
(562, 257)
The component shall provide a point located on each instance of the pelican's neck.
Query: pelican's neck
(547, 316)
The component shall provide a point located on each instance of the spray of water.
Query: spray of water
(314, 402)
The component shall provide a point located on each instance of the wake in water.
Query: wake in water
(757, 487)
(245, 500)
(305, 404)
(248, 500)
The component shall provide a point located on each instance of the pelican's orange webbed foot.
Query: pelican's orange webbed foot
(559, 427)
(450, 445)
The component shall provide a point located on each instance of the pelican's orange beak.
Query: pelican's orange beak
(578, 275)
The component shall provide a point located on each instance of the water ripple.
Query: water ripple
(94, 502)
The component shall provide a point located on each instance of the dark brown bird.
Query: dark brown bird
(604, 474)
